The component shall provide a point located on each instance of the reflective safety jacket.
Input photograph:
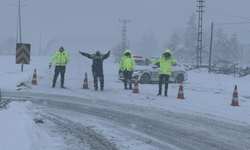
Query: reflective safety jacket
(62, 58)
(127, 62)
(165, 63)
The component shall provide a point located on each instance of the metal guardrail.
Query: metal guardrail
(232, 70)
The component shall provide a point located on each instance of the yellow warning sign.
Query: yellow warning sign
(22, 53)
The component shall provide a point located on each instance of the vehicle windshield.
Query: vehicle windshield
(141, 62)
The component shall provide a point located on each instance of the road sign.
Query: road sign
(22, 53)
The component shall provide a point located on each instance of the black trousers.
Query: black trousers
(163, 78)
(98, 75)
(127, 77)
(61, 70)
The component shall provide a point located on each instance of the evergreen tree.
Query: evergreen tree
(176, 48)
(148, 44)
(173, 43)
(117, 51)
(220, 51)
(234, 53)
(190, 39)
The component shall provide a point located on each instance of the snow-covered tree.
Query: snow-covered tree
(234, 49)
(225, 49)
(221, 48)
(148, 44)
(117, 51)
(173, 43)
(178, 50)
(190, 39)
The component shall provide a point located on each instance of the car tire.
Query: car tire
(145, 78)
(179, 78)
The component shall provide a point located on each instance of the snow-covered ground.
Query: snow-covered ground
(208, 95)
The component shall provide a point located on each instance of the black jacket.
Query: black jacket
(97, 60)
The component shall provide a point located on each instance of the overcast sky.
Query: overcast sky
(101, 17)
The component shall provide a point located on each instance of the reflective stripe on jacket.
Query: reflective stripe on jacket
(62, 58)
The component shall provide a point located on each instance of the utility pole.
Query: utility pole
(199, 43)
(211, 44)
(39, 53)
(242, 53)
(19, 27)
(124, 33)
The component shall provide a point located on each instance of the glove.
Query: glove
(80, 52)
(49, 65)
(147, 59)
(109, 51)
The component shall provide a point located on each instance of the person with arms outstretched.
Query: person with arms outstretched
(97, 67)
(165, 61)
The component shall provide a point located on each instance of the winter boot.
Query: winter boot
(62, 86)
(125, 86)
(159, 93)
(130, 87)
(53, 85)
(96, 88)
(101, 88)
(166, 93)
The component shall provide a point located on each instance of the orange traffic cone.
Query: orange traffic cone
(180, 93)
(136, 90)
(85, 82)
(235, 97)
(34, 81)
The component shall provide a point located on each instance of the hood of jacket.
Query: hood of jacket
(167, 51)
(127, 51)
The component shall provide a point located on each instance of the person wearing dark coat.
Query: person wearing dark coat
(97, 67)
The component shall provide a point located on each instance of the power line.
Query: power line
(232, 7)
(227, 14)
(223, 3)
(66, 23)
(235, 29)
(231, 23)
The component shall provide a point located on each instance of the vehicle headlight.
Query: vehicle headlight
(137, 71)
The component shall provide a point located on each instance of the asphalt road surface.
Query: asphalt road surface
(131, 127)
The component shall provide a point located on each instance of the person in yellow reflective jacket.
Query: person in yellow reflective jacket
(165, 70)
(62, 58)
(127, 66)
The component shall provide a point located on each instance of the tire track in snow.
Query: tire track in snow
(183, 131)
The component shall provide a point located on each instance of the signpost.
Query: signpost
(22, 54)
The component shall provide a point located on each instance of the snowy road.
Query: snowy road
(107, 125)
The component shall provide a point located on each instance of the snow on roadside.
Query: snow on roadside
(20, 131)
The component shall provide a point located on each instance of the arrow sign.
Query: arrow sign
(22, 53)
